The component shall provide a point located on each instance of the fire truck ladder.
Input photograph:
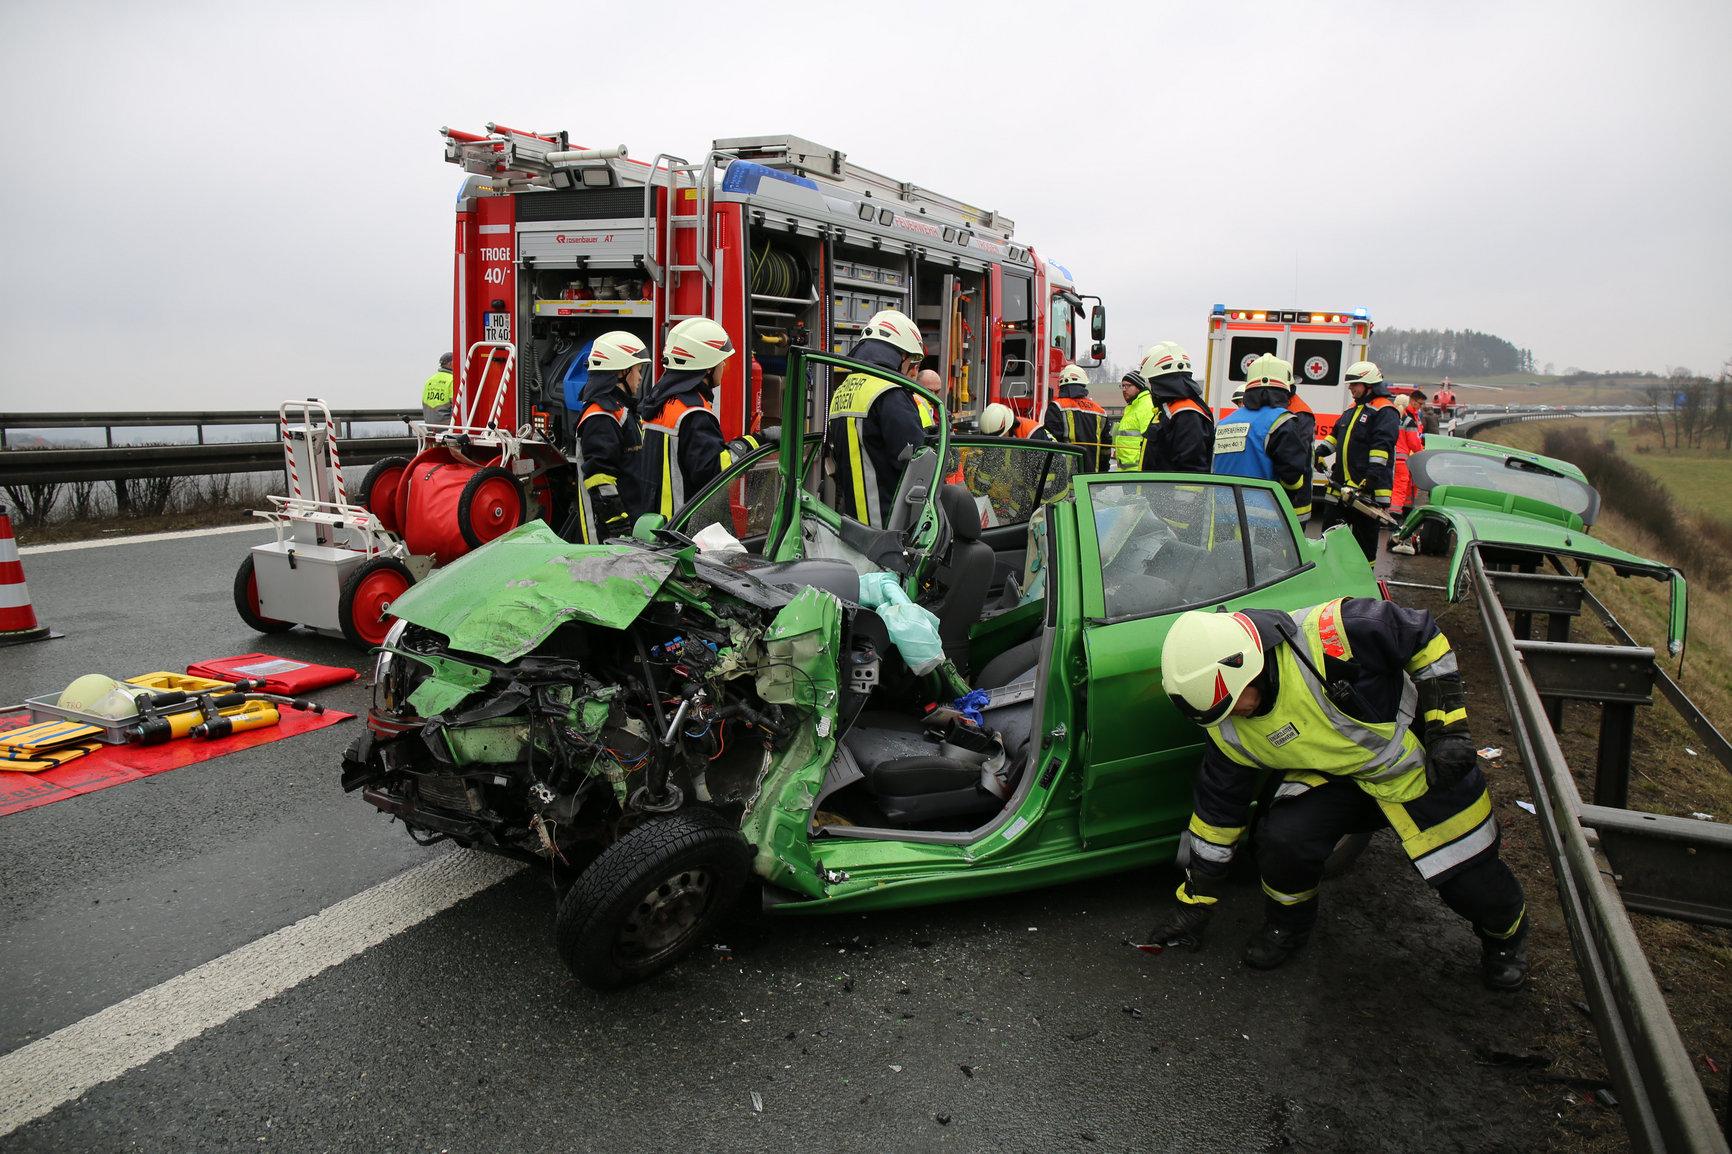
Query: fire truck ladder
(666, 274)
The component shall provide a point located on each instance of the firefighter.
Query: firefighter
(1363, 441)
(609, 438)
(1262, 439)
(683, 449)
(1180, 437)
(1076, 419)
(437, 394)
(999, 420)
(875, 427)
(1330, 699)
(1139, 411)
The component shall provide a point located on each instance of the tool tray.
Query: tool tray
(112, 731)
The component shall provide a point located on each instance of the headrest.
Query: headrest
(961, 511)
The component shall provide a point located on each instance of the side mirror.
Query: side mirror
(1098, 322)
(1099, 351)
(645, 528)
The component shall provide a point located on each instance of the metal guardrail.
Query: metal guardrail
(10, 423)
(1609, 860)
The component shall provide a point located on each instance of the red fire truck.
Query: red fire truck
(781, 240)
(1319, 345)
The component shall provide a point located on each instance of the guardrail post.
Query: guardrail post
(1619, 678)
(1559, 597)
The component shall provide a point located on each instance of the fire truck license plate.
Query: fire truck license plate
(498, 327)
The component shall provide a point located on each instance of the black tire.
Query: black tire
(650, 896)
(466, 502)
(364, 495)
(367, 628)
(1431, 536)
(247, 603)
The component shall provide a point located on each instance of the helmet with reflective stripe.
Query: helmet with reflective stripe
(1269, 372)
(617, 351)
(1364, 373)
(1207, 661)
(996, 419)
(1073, 375)
(1165, 358)
(696, 343)
(896, 329)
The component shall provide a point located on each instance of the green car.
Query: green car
(964, 701)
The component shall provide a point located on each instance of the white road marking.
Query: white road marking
(143, 538)
(68, 1063)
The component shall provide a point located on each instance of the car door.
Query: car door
(1150, 547)
(742, 499)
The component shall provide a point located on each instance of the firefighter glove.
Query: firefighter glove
(770, 435)
(1449, 758)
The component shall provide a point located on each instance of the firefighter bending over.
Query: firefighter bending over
(1262, 439)
(1363, 440)
(437, 394)
(1180, 437)
(1327, 698)
(609, 439)
(683, 448)
(1000, 420)
(1072, 416)
(875, 426)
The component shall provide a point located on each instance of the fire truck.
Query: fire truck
(781, 240)
(1319, 345)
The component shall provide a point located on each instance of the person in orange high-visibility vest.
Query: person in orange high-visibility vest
(1181, 436)
(1074, 417)
(683, 447)
(609, 439)
(1000, 420)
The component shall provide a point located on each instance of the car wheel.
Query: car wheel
(247, 601)
(1431, 536)
(650, 896)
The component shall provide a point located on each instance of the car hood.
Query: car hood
(503, 600)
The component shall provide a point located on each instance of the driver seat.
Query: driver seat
(963, 573)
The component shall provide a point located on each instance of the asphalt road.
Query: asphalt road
(1021, 1023)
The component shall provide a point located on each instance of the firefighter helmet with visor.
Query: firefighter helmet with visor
(897, 330)
(696, 343)
(1207, 661)
(616, 352)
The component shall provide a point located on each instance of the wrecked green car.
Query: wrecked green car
(962, 702)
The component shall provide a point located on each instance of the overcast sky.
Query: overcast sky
(220, 205)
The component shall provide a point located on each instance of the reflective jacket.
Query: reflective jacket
(874, 429)
(1029, 429)
(1364, 443)
(1128, 438)
(436, 398)
(1398, 670)
(609, 440)
(683, 448)
(1074, 418)
(1269, 443)
(1180, 438)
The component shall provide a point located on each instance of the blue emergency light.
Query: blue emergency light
(1218, 310)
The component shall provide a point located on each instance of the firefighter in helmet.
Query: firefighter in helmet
(1180, 437)
(1262, 439)
(875, 426)
(438, 393)
(1072, 416)
(1139, 411)
(609, 439)
(683, 449)
(1000, 420)
(1363, 441)
(1357, 705)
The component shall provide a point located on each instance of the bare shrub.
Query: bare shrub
(34, 503)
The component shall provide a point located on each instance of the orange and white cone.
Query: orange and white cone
(18, 622)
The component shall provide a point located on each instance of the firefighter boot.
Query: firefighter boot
(1503, 962)
(1285, 929)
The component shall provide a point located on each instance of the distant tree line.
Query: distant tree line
(1443, 351)
(1696, 409)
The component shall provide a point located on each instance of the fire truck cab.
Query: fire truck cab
(781, 240)
(1320, 345)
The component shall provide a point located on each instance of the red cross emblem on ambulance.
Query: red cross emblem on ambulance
(1316, 369)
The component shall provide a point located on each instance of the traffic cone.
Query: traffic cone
(18, 622)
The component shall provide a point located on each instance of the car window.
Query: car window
(1166, 545)
(1010, 480)
(743, 506)
(1274, 553)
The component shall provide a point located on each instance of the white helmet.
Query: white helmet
(1164, 358)
(696, 343)
(1207, 661)
(996, 420)
(1269, 372)
(1073, 375)
(617, 351)
(102, 696)
(1364, 373)
(896, 329)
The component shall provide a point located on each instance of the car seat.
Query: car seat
(963, 574)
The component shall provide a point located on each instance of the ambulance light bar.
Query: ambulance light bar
(1277, 316)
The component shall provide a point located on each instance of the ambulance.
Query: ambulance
(1319, 345)
(781, 240)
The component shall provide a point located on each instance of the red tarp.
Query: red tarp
(280, 675)
(114, 764)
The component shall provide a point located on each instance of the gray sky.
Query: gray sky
(220, 205)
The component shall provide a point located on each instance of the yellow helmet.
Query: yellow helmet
(1073, 375)
(1207, 661)
(696, 343)
(1364, 373)
(996, 420)
(1164, 358)
(617, 352)
(1269, 371)
(102, 696)
(896, 329)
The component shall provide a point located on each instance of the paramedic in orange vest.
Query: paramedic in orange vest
(683, 449)
(876, 426)
(1181, 436)
(609, 439)
(1363, 441)
(998, 420)
(1074, 418)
